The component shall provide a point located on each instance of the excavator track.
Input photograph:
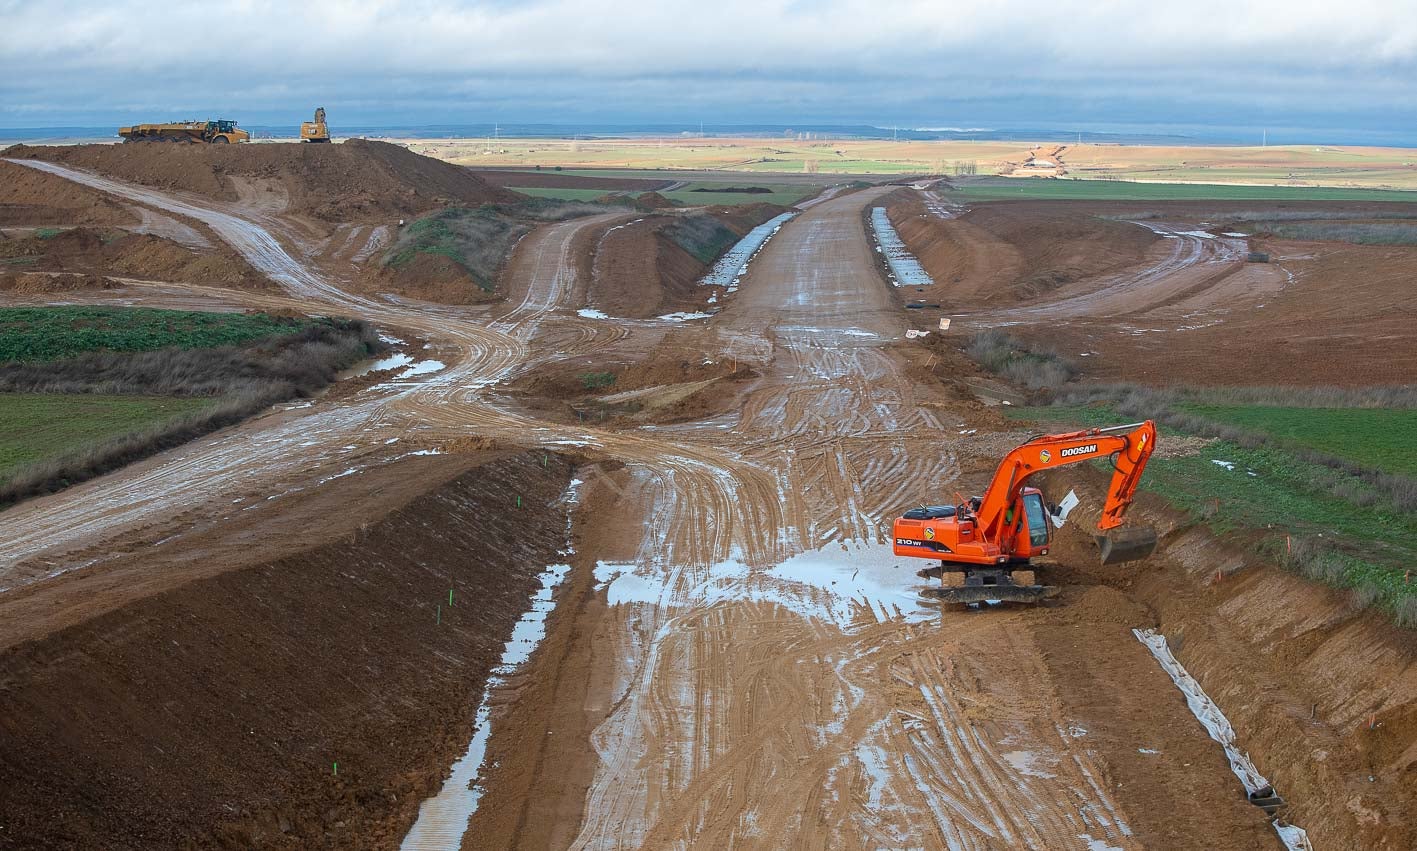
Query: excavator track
(983, 593)
(980, 584)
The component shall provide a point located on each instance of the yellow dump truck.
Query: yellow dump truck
(317, 130)
(218, 132)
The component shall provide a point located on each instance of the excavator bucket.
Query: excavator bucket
(1132, 543)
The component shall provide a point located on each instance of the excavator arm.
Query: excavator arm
(1129, 447)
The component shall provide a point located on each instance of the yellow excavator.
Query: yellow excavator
(317, 130)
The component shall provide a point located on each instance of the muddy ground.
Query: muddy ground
(1160, 295)
(734, 657)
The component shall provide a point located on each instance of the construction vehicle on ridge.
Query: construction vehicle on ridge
(985, 545)
(317, 130)
(218, 132)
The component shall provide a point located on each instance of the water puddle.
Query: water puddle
(835, 584)
(423, 367)
(731, 266)
(906, 271)
(443, 819)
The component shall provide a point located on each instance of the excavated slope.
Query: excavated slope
(1005, 253)
(639, 271)
(29, 197)
(85, 251)
(211, 714)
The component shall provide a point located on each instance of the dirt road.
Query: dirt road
(775, 679)
(742, 676)
(763, 673)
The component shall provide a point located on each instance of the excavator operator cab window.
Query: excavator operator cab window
(1037, 519)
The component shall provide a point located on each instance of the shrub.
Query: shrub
(597, 380)
(702, 235)
(1032, 366)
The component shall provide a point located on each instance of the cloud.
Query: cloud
(727, 60)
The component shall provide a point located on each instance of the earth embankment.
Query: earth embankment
(158, 712)
(32, 198)
(652, 266)
(1319, 689)
(88, 251)
(1002, 254)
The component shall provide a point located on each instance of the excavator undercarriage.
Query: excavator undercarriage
(984, 584)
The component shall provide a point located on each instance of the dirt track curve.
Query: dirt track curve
(771, 677)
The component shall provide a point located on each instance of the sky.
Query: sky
(1334, 68)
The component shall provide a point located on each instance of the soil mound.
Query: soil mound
(654, 201)
(653, 266)
(429, 277)
(85, 251)
(357, 180)
(30, 197)
(34, 282)
(1006, 253)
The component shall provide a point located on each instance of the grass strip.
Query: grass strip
(30, 334)
(1322, 520)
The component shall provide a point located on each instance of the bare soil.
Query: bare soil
(356, 180)
(1007, 253)
(639, 272)
(29, 198)
(430, 277)
(1123, 304)
(31, 283)
(1319, 690)
(714, 701)
(207, 707)
(86, 251)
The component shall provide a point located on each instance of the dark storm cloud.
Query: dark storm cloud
(922, 63)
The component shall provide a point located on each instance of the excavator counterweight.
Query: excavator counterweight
(985, 546)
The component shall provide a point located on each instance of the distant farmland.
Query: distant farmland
(1294, 165)
(1004, 188)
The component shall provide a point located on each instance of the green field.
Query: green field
(1003, 188)
(36, 427)
(49, 333)
(1354, 535)
(1379, 438)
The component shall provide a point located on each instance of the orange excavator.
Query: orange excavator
(986, 545)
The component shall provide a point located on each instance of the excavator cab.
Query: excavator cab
(1035, 519)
